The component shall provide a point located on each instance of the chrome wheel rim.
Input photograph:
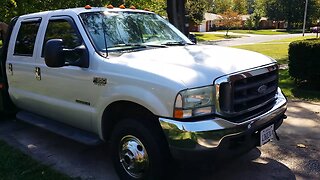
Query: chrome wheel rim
(133, 156)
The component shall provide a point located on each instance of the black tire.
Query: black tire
(127, 135)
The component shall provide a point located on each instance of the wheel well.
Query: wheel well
(120, 110)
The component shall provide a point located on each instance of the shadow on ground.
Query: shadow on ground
(87, 162)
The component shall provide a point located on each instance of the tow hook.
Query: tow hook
(275, 132)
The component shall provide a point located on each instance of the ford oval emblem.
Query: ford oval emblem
(262, 89)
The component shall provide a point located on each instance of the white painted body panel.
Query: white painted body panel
(151, 78)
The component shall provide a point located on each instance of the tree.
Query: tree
(3, 31)
(157, 6)
(176, 14)
(240, 6)
(291, 11)
(256, 16)
(230, 19)
(7, 8)
(196, 10)
(11, 8)
(249, 23)
(260, 6)
(221, 6)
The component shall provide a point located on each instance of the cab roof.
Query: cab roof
(78, 11)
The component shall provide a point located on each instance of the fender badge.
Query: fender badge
(99, 81)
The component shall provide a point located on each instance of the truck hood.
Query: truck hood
(193, 65)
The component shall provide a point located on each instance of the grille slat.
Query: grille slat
(248, 86)
(253, 96)
(245, 93)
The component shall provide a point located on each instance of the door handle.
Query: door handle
(38, 73)
(10, 69)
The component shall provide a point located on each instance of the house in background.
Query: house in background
(265, 23)
(211, 20)
(208, 24)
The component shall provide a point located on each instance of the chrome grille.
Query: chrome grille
(246, 93)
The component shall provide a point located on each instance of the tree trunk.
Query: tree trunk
(3, 31)
(176, 14)
(289, 27)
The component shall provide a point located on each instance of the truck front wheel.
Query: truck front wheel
(138, 152)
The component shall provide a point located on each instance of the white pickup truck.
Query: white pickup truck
(129, 77)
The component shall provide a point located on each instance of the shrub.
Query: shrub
(304, 61)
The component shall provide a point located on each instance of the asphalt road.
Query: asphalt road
(295, 156)
(250, 39)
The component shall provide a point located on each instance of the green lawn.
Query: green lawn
(212, 37)
(279, 50)
(16, 165)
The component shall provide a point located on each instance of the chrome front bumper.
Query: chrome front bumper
(207, 134)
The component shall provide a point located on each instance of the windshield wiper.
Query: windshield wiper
(176, 43)
(132, 45)
(156, 45)
(138, 46)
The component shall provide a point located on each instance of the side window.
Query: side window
(26, 38)
(62, 29)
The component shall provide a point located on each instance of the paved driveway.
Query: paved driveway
(276, 160)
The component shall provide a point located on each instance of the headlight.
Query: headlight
(194, 102)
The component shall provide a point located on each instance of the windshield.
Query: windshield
(118, 31)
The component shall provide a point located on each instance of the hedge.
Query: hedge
(304, 60)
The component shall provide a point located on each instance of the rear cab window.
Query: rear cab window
(25, 41)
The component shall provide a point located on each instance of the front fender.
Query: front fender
(158, 101)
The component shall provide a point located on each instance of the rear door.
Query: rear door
(20, 64)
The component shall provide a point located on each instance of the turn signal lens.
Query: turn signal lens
(178, 113)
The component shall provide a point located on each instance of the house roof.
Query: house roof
(211, 17)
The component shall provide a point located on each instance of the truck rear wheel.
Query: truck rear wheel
(138, 152)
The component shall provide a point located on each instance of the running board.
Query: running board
(59, 128)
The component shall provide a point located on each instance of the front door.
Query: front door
(65, 92)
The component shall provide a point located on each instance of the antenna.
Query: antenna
(104, 36)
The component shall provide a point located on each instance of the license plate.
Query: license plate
(266, 135)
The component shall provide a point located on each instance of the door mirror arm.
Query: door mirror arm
(83, 61)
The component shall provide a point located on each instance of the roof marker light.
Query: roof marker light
(109, 6)
(132, 7)
(146, 9)
(87, 6)
(122, 6)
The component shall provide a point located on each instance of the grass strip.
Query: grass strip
(18, 166)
